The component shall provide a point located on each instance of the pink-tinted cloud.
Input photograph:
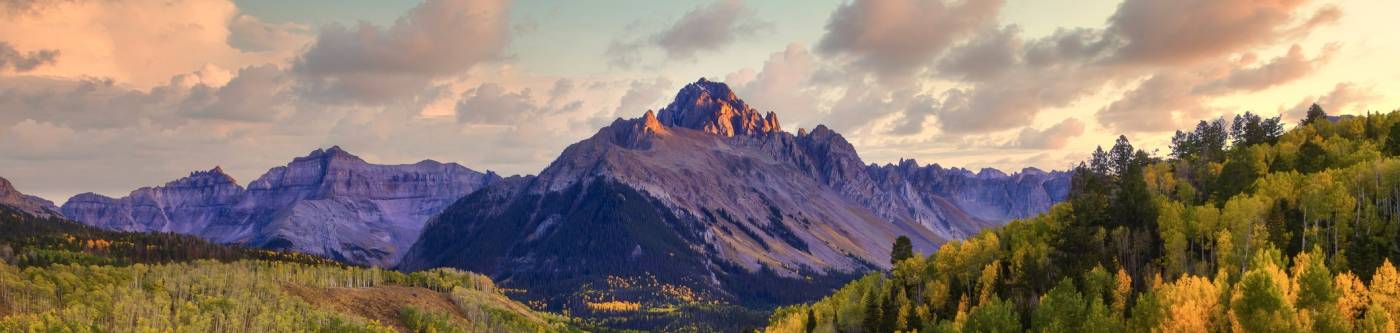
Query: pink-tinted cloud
(1343, 97)
(1156, 104)
(20, 62)
(708, 28)
(140, 43)
(1172, 98)
(1287, 68)
(1053, 137)
(436, 39)
(898, 38)
(491, 104)
(251, 34)
(1177, 46)
(987, 56)
(783, 85)
(1177, 32)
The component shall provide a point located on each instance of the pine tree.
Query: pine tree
(811, 321)
(1315, 114)
(872, 311)
(889, 314)
(1392, 141)
(901, 250)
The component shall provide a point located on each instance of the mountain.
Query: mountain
(26, 203)
(711, 197)
(328, 203)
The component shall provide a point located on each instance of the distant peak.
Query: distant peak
(330, 153)
(989, 173)
(713, 108)
(336, 150)
(201, 178)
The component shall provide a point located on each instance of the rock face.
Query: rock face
(711, 196)
(26, 203)
(328, 203)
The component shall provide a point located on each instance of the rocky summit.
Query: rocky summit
(33, 205)
(328, 202)
(710, 197)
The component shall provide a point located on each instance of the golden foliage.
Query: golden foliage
(614, 306)
(1192, 303)
(1353, 297)
(1122, 290)
(1385, 289)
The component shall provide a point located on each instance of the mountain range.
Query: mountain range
(706, 201)
(712, 197)
(329, 203)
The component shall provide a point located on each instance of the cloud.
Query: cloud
(1014, 99)
(436, 39)
(641, 95)
(783, 85)
(704, 29)
(490, 103)
(255, 94)
(708, 28)
(80, 104)
(1156, 105)
(139, 43)
(1177, 51)
(1284, 69)
(1188, 31)
(259, 93)
(251, 34)
(623, 54)
(897, 38)
(860, 105)
(1172, 98)
(1053, 137)
(20, 62)
(916, 112)
(1343, 97)
(987, 56)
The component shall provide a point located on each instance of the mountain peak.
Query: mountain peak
(332, 153)
(33, 205)
(713, 108)
(214, 176)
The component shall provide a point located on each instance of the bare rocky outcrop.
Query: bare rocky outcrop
(33, 205)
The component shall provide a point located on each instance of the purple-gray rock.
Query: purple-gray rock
(26, 203)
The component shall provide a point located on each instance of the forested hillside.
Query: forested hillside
(1243, 227)
(60, 276)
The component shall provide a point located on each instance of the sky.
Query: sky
(108, 96)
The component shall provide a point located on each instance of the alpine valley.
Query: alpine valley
(704, 215)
